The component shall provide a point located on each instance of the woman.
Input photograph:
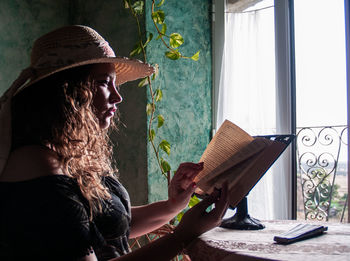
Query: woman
(59, 196)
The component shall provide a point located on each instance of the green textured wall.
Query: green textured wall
(21, 22)
(186, 87)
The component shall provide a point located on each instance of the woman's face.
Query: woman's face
(106, 97)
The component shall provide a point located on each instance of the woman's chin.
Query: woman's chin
(105, 123)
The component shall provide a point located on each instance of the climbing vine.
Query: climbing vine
(172, 42)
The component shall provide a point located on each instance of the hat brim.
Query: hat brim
(126, 69)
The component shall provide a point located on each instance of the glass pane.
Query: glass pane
(321, 108)
(248, 98)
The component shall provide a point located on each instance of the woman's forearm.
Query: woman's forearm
(162, 249)
(150, 217)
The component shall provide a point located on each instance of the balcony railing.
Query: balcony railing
(322, 172)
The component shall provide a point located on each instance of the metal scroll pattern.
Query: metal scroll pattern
(318, 150)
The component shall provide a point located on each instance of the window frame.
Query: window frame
(285, 74)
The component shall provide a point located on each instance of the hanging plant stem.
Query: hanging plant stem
(175, 41)
(152, 111)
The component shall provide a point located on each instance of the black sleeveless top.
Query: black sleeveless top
(47, 218)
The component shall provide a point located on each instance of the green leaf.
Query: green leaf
(165, 165)
(158, 16)
(162, 31)
(149, 38)
(137, 50)
(154, 76)
(173, 54)
(195, 57)
(160, 120)
(149, 108)
(160, 3)
(193, 201)
(180, 215)
(165, 146)
(126, 4)
(143, 82)
(159, 95)
(152, 134)
(138, 7)
(176, 40)
(156, 72)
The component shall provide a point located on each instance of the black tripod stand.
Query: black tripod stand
(242, 220)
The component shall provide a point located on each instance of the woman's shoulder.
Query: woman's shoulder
(54, 199)
(30, 162)
(57, 217)
(55, 188)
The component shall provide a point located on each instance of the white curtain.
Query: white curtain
(247, 97)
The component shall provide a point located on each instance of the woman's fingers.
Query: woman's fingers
(185, 174)
(189, 170)
(222, 204)
(191, 165)
(189, 191)
(196, 221)
(206, 202)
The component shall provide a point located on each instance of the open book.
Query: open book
(241, 159)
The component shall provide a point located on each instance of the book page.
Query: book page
(244, 176)
(235, 166)
(234, 163)
(253, 172)
(228, 140)
(231, 175)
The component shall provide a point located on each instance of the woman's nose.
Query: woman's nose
(115, 96)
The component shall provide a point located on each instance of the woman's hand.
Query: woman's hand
(196, 221)
(182, 186)
(149, 217)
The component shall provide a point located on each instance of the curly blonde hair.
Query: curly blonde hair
(57, 112)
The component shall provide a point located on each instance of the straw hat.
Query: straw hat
(77, 45)
(62, 49)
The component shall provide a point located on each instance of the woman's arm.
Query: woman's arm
(195, 222)
(162, 249)
(150, 217)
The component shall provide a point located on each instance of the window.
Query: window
(254, 76)
(321, 109)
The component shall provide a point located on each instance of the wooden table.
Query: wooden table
(222, 244)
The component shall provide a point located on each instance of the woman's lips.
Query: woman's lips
(111, 112)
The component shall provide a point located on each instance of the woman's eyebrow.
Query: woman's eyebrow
(107, 75)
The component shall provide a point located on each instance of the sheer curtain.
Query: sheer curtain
(247, 97)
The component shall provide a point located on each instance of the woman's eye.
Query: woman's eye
(103, 82)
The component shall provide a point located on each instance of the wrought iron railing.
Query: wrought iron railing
(320, 151)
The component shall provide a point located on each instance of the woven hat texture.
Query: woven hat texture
(77, 45)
